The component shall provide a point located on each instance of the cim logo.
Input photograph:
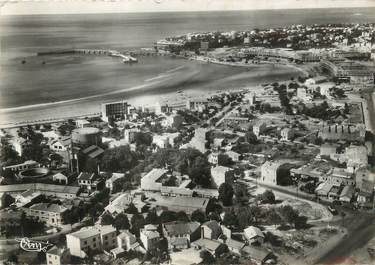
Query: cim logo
(32, 245)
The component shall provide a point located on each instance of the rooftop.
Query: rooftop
(253, 231)
(180, 228)
(39, 187)
(150, 234)
(154, 174)
(259, 254)
(208, 244)
(48, 207)
(93, 151)
(86, 176)
(57, 251)
(194, 202)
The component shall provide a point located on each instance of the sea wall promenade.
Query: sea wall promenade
(8, 125)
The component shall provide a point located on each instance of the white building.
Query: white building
(49, 213)
(119, 204)
(220, 175)
(356, 156)
(269, 172)
(315, 80)
(60, 178)
(199, 140)
(286, 134)
(109, 183)
(233, 155)
(254, 235)
(250, 97)
(88, 181)
(197, 104)
(149, 181)
(129, 134)
(125, 241)
(213, 158)
(303, 94)
(165, 140)
(149, 237)
(259, 128)
(173, 120)
(23, 166)
(61, 145)
(94, 238)
(57, 256)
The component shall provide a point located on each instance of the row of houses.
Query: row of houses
(210, 236)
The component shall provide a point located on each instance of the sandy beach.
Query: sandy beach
(43, 95)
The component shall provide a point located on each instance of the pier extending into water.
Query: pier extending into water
(125, 58)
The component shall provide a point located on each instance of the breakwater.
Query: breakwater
(113, 53)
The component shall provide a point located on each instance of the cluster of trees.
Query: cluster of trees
(188, 161)
(33, 150)
(8, 155)
(226, 193)
(267, 197)
(92, 209)
(137, 221)
(267, 108)
(321, 111)
(224, 160)
(243, 217)
(25, 226)
(118, 159)
(283, 96)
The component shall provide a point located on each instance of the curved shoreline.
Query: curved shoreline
(147, 81)
(162, 87)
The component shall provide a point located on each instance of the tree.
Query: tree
(206, 257)
(141, 138)
(251, 138)
(34, 148)
(8, 200)
(230, 219)
(224, 160)
(137, 222)
(131, 209)
(73, 215)
(13, 258)
(226, 194)
(255, 212)
(214, 216)
(288, 214)
(152, 218)
(273, 217)
(300, 222)
(240, 193)
(118, 159)
(8, 155)
(267, 197)
(30, 226)
(121, 222)
(198, 216)
(168, 216)
(200, 172)
(244, 217)
(182, 216)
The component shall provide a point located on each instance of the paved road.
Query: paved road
(361, 228)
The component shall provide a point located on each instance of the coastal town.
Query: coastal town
(277, 173)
